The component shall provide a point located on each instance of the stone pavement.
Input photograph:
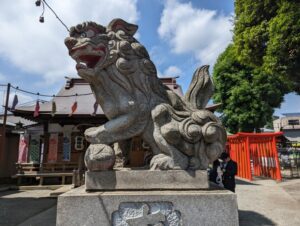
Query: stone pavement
(261, 203)
(266, 202)
(27, 208)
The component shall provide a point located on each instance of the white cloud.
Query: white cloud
(39, 48)
(156, 55)
(2, 77)
(23, 99)
(171, 71)
(199, 31)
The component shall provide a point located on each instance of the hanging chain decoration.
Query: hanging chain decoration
(47, 95)
(42, 19)
(36, 113)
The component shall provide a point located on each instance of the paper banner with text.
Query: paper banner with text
(53, 148)
(34, 148)
(23, 148)
(67, 147)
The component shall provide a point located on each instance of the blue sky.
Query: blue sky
(179, 35)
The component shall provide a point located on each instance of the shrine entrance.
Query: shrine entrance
(256, 154)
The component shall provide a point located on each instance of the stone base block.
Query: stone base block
(146, 180)
(142, 208)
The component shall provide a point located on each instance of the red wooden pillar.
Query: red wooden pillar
(278, 172)
(248, 160)
(272, 156)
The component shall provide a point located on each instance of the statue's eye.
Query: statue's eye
(87, 34)
(83, 35)
(90, 33)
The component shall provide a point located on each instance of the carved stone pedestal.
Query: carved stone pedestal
(142, 208)
(127, 179)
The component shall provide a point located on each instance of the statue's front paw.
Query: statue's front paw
(92, 135)
(161, 162)
(99, 157)
(194, 163)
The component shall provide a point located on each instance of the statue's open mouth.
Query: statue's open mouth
(87, 61)
(87, 56)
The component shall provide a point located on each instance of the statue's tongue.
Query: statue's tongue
(90, 60)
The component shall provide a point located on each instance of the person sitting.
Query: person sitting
(229, 168)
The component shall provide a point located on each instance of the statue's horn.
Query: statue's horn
(200, 90)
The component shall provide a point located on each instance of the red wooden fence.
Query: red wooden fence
(255, 154)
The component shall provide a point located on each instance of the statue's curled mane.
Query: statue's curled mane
(180, 132)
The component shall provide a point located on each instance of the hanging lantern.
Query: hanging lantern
(41, 19)
(38, 2)
(37, 109)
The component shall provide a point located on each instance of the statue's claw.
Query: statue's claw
(194, 163)
(161, 162)
(92, 134)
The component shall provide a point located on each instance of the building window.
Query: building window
(79, 145)
(293, 122)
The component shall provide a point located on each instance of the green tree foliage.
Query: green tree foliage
(248, 97)
(253, 74)
(267, 35)
(283, 50)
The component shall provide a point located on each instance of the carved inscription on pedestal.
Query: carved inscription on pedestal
(146, 213)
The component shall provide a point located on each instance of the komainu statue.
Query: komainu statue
(180, 132)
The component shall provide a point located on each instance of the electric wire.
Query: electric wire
(47, 95)
(57, 17)
(16, 88)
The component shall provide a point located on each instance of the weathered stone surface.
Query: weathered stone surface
(180, 132)
(146, 213)
(99, 157)
(146, 180)
(120, 208)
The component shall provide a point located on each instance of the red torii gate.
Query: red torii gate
(256, 154)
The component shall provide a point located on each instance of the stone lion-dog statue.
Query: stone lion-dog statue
(179, 131)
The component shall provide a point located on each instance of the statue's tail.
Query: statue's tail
(200, 90)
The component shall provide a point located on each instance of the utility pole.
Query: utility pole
(6, 106)
(3, 146)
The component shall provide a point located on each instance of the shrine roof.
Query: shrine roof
(85, 101)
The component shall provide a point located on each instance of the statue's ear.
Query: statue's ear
(119, 24)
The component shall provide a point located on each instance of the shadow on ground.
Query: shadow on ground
(251, 218)
(9, 192)
(16, 210)
(243, 182)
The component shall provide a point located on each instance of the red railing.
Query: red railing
(256, 154)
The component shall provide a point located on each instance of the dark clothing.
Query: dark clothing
(213, 173)
(229, 172)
